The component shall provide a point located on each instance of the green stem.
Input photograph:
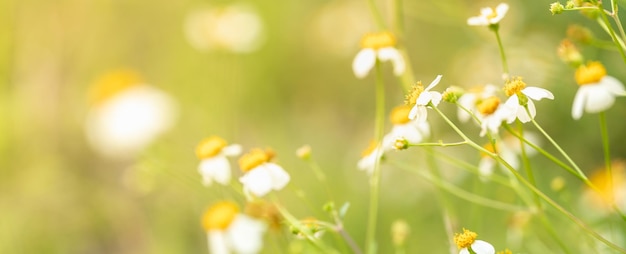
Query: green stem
(615, 16)
(607, 155)
(292, 221)
(580, 172)
(441, 144)
(378, 18)
(370, 239)
(609, 27)
(398, 18)
(505, 65)
(525, 162)
(460, 192)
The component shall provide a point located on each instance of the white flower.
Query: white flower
(377, 46)
(229, 231)
(488, 16)
(261, 176)
(236, 28)
(467, 239)
(127, 115)
(597, 90)
(420, 98)
(369, 158)
(412, 131)
(492, 113)
(479, 247)
(214, 165)
(470, 99)
(516, 89)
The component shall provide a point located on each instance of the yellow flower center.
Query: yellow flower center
(210, 147)
(488, 106)
(220, 215)
(400, 114)
(489, 147)
(370, 149)
(514, 86)
(415, 92)
(465, 239)
(603, 181)
(590, 73)
(254, 158)
(378, 40)
(112, 84)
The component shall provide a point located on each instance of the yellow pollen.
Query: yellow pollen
(489, 147)
(400, 114)
(465, 239)
(210, 147)
(370, 149)
(378, 40)
(488, 106)
(590, 73)
(219, 216)
(112, 84)
(514, 86)
(254, 158)
(415, 92)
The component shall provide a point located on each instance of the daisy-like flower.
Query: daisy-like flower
(472, 98)
(492, 113)
(489, 16)
(467, 240)
(597, 90)
(412, 131)
(126, 114)
(260, 175)
(369, 157)
(419, 98)
(610, 188)
(214, 165)
(229, 231)
(377, 46)
(521, 96)
(236, 28)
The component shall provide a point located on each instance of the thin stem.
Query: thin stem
(441, 144)
(614, 14)
(556, 145)
(370, 239)
(378, 18)
(611, 31)
(525, 162)
(505, 65)
(341, 230)
(607, 155)
(542, 195)
(460, 192)
(398, 18)
(303, 230)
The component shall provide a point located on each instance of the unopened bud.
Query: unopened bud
(399, 232)
(557, 184)
(304, 152)
(568, 52)
(556, 8)
(401, 144)
(580, 34)
(452, 94)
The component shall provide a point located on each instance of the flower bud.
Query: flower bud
(569, 53)
(556, 8)
(452, 94)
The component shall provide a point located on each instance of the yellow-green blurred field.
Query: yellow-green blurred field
(58, 195)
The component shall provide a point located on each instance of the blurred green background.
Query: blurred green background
(58, 196)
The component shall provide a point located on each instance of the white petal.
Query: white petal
(598, 99)
(390, 53)
(258, 181)
(364, 62)
(464, 251)
(217, 242)
(613, 85)
(579, 102)
(466, 101)
(434, 83)
(413, 112)
(424, 98)
(232, 150)
(280, 178)
(477, 21)
(482, 247)
(522, 115)
(537, 93)
(486, 11)
(246, 234)
(215, 169)
(501, 11)
(436, 98)
(422, 114)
